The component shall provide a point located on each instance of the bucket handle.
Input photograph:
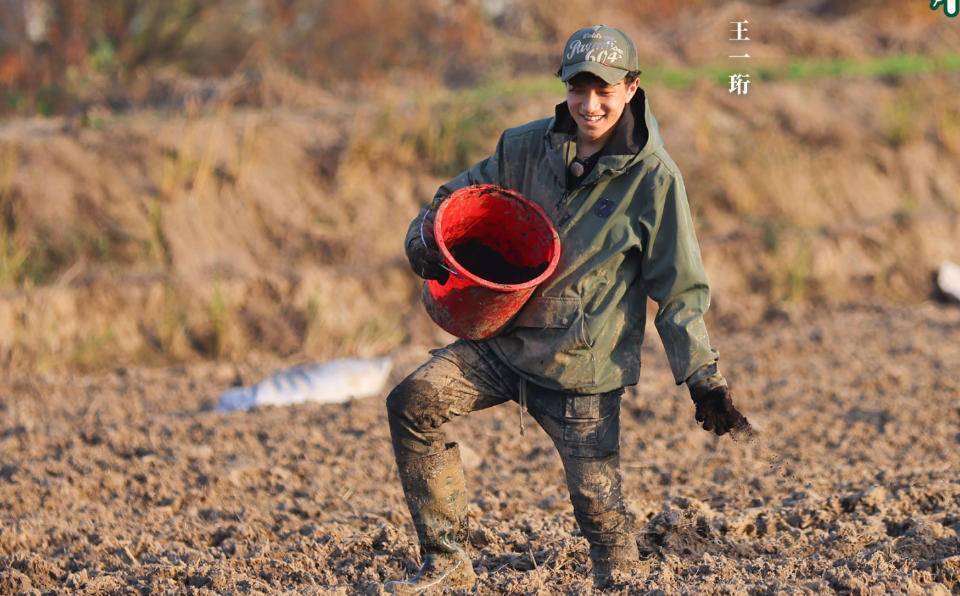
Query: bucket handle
(423, 238)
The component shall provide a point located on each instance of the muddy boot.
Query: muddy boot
(437, 497)
(440, 573)
(613, 566)
(596, 493)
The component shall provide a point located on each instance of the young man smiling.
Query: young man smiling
(596, 107)
(599, 169)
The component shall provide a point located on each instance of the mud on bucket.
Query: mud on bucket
(498, 246)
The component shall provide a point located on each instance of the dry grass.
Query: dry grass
(220, 228)
(72, 56)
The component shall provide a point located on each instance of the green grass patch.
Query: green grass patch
(449, 129)
(685, 77)
(884, 66)
(807, 69)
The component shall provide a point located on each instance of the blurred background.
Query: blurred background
(188, 180)
(196, 194)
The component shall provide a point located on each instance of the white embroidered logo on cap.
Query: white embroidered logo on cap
(604, 52)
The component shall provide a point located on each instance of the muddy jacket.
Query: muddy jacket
(626, 234)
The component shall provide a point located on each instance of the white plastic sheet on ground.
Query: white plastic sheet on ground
(335, 381)
(948, 280)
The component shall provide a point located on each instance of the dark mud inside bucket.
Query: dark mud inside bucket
(499, 247)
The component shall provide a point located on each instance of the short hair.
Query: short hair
(629, 78)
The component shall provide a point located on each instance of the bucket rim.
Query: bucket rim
(461, 270)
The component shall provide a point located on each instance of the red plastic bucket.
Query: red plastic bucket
(501, 236)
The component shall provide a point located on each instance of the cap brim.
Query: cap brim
(609, 74)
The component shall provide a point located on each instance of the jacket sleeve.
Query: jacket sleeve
(487, 171)
(673, 272)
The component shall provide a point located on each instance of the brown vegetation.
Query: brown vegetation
(60, 57)
(266, 213)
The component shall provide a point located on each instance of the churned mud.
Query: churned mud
(128, 482)
(488, 264)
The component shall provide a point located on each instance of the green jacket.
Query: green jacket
(626, 234)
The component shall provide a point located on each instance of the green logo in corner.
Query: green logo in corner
(950, 7)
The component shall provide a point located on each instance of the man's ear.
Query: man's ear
(632, 88)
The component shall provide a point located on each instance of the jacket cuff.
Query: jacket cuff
(705, 379)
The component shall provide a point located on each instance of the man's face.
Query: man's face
(596, 106)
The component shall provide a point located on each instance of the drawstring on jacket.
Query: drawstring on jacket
(523, 401)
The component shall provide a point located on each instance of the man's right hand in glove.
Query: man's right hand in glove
(426, 260)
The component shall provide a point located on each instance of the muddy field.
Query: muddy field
(128, 482)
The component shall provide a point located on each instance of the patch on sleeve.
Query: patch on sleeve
(603, 208)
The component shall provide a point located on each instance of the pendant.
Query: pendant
(576, 168)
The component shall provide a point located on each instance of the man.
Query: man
(599, 169)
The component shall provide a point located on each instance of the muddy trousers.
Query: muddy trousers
(467, 376)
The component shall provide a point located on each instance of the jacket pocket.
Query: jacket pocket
(546, 341)
(554, 312)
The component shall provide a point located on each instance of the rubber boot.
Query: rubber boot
(437, 497)
(596, 492)
(613, 565)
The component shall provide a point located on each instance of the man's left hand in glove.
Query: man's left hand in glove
(715, 410)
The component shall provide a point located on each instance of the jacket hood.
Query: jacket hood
(640, 142)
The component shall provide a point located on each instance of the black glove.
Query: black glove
(715, 410)
(425, 258)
